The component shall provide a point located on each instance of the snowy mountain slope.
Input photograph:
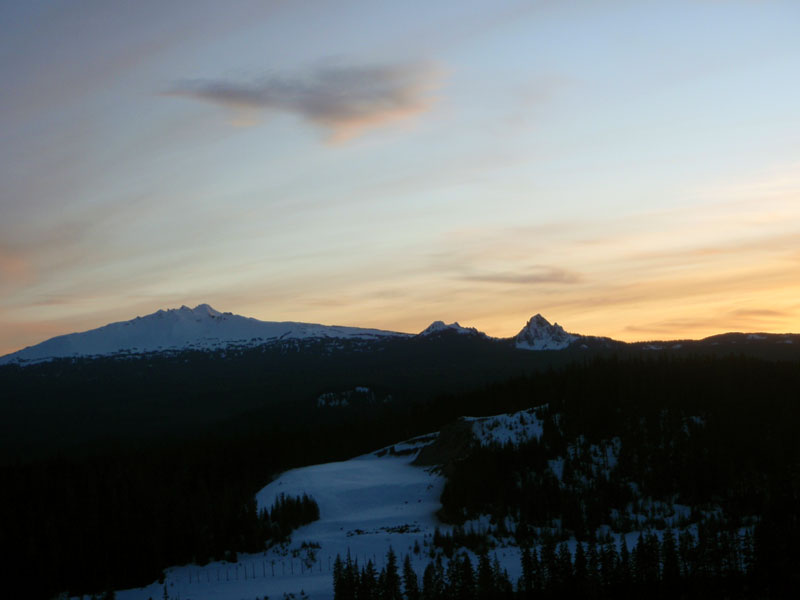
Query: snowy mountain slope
(366, 504)
(539, 334)
(381, 500)
(514, 428)
(456, 439)
(184, 328)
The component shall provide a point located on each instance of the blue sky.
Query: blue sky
(626, 168)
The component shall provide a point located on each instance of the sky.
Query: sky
(628, 169)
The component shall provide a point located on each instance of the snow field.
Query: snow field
(366, 505)
(515, 428)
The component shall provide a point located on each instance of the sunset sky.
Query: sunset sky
(629, 169)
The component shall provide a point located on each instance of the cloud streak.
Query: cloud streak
(345, 100)
(714, 322)
(528, 277)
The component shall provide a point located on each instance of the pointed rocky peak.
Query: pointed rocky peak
(440, 327)
(539, 334)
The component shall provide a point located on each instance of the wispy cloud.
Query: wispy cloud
(765, 313)
(532, 276)
(713, 322)
(345, 100)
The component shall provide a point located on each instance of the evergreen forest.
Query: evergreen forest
(716, 434)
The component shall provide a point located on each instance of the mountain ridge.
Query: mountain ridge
(204, 328)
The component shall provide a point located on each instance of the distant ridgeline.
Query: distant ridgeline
(700, 446)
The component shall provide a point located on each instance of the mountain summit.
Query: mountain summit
(539, 334)
(199, 328)
(439, 327)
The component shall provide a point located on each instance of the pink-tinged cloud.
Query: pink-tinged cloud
(344, 100)
(13, 268)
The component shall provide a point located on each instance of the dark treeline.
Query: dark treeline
(288, 513)
(120, 520)
(117, 519)
(706, 564)
(116, 513)
(364, 583)
(75, 404)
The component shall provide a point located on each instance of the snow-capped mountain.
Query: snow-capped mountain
(201, 328)
(439, 327)
(539, 334)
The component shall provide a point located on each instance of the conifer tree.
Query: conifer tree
(466, 583)
(485, 585)
(670, 569)
(581, 571)
(639, 561)
(439, 577)
(350, 578)
(563, 566)
(391, 581)
(502, 583)
(549, 570)
(686, 554)
(368, 586)
(430, 586)
(339, 583)
(624, 567)
(410, 583)
(526, 580)
(646, 560)
(747, 553)
(592, 566)
(452, 577)
(608, 565)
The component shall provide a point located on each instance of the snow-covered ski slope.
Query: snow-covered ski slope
(366, 504)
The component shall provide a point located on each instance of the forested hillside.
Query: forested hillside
(702, 452)
(716, 435)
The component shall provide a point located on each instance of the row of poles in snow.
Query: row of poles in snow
(252, 570)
